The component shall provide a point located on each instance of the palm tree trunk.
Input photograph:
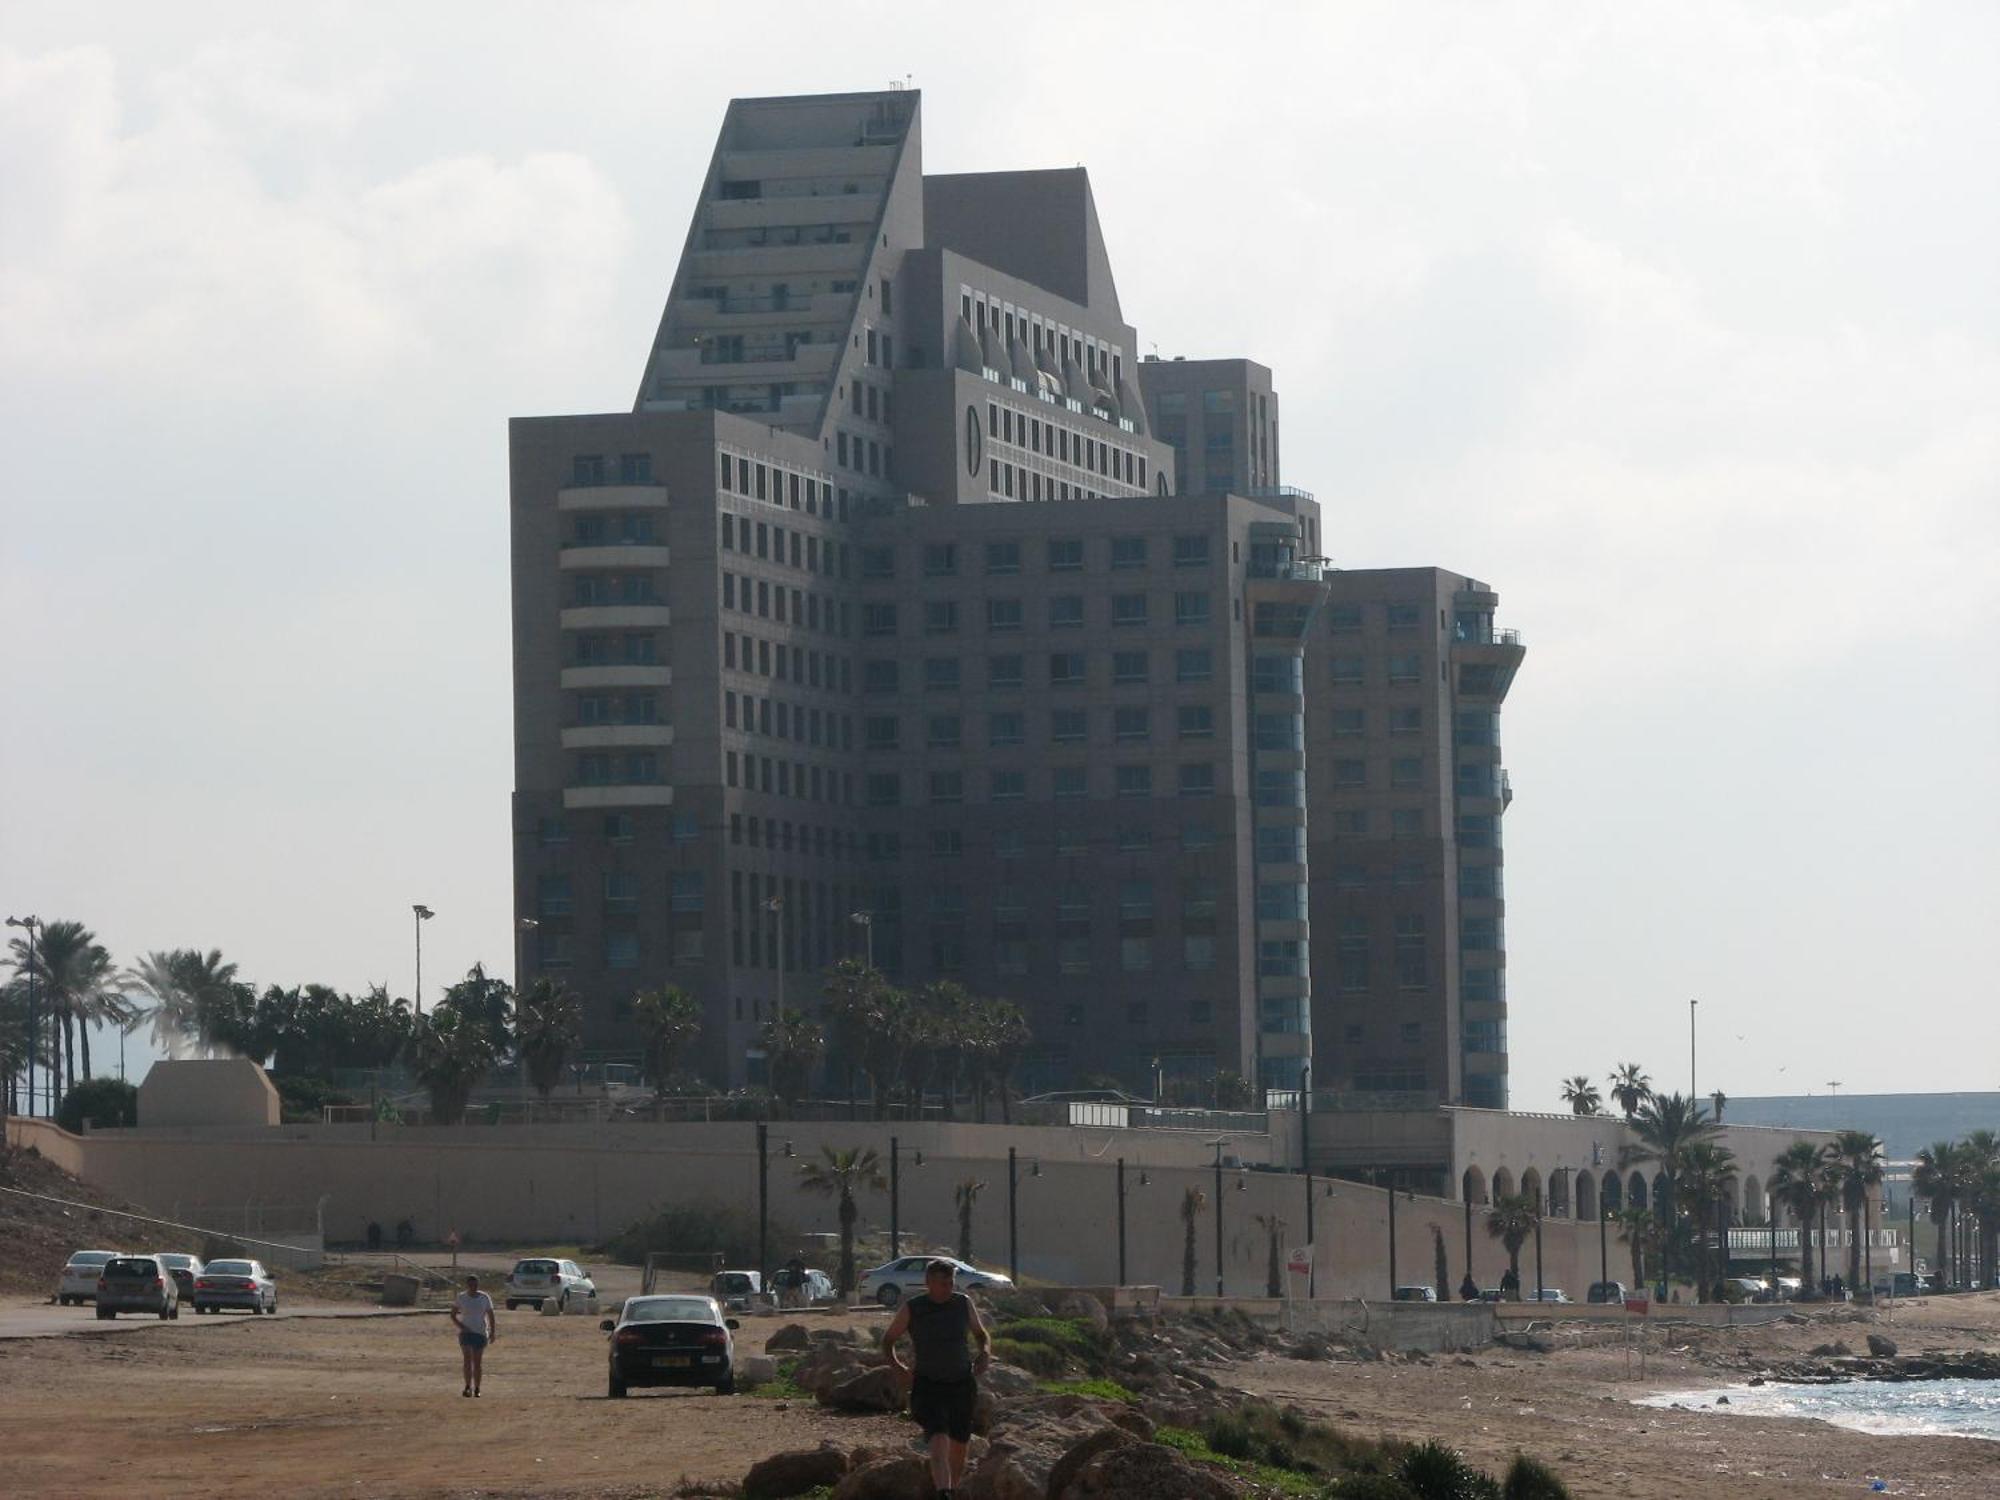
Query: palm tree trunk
(847, 1215)
(1187, 1261)
(69, 1047)
(83, 1035)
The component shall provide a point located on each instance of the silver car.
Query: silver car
(890, 1284)
(137, 1283)
(77, 1286)
(235, 1283)
(542, 1278)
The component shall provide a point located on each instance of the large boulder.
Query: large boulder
(1004, 1476)
(1081, 1452)
(1881, 1346)
(1083, 1305)
(870, 1390)
(1007, 1380)
(795, 1473)
(1145, 1471)
(755, 1369)
(793, 1337)
(887, 1479)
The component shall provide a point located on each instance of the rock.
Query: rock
(756, 1369)
(1835, 1350)
(1881, 1346)
(1007, 1380)
(887, 1479)
(793, 1336)
(1081, 1452)
(1003, 1476)
(870, 1390)
(1721, 1400)
(1145, 1471)
(1083, 1305)
(794, 1473)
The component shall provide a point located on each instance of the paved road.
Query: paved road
(42, 1320)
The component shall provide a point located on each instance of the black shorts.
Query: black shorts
(944, 1406)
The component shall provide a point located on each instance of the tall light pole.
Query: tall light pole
(523, 926)
(424, 914)
(1305, 1153)
(865, 920)
(32, 923)
(1692, 1090)
(775, 905)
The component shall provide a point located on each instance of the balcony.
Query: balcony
(644, 794)
(611, 497)
(617, 736)
(617, 617)
(630, 675)
(621, 555)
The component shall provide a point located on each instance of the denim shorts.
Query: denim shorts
(467, 1339)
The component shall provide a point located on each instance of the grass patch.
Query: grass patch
(1097, 1388)
(784, 1388)
(1194, 1447)
(1045, 1360)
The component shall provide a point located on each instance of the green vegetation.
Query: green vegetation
(1096, 1389)
(105, 1102)
(784, 1388)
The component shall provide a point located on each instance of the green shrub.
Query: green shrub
(106, 1102)
(1531, 1479)
(1097, 1388)
(1232, 1438)
(1037, 1359)
(1371, 1487)
(1437, 1472)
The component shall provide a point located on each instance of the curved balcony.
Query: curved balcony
(611, 497)
(624, 555)
(617, 736)
(617, 677)
(648, 794)
(617, 617)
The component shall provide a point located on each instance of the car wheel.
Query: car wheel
(727, 1385)
(617, 1390)
(105, 1315)
(562, 1303)
(274, 1307)
(512, 1305)
(890, 1295)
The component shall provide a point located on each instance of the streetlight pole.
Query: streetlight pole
(1121, 1221)
(1013, 1221)
(1693, 1092)
(1218, 1220)
(865, 920)
(895, 1198)
(1392, 1235)
(1468, 1230)
(31, 923)
(763, 1198)
(423, 915)
(1603, 1236)
(1305, 1155)
(776, 906)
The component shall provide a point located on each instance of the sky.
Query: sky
(1678, 324)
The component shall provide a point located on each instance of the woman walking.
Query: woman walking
(472, 1316)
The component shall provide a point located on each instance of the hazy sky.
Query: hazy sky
(1679, 324)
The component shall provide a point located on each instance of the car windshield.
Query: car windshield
(669, 1310)
(178, 1262)
(734, 1281)
(230, 1268)
(536, 1268)
(92, 1257)
(130, 1266)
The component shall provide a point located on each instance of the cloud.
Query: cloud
(169, 253)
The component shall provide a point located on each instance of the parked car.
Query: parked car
(890, 1284)
(137, 1283)
(1606, 1293)
(806, 1288)
(1789, 1287)
(734, 1289)
(1492, 1294)
(671, 1341)
(235, 1283)
(1416, 1294)
(78, 1282)
(1546, 1294)
(542, 1278)
(185, 1268)
(1746, 1289)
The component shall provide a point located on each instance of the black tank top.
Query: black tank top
(941, 1333)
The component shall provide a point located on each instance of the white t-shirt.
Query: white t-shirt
(474, 1309)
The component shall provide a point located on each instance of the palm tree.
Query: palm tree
(965, 1195)
(190, 993)
(1854, 1159)
(1511, 1221)
(1003, 1039)
(1440, 1264)
(1708, 1184)
(450, 1051)
(792, 1044)
(548, 1025)
(842, 1175)
(1274, 1229)
(1630, 1087)
(1666, 1127)
(1581, 1095)
(1940, 1176)
(1193, 1201)
(71, 968)
(668, 1020)
(1639, 1229)
(1798, 1182)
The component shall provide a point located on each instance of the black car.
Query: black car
(672, 1341)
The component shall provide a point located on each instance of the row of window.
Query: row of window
(1067, 841)
(758, 479)
(777, 777)
(1066, 669)
(1005, 558)
(1346, 619)
(1006, 728)
(796, 548)
(864, 455)
(1406, 773)
(613, 529)
(596, 589)
(589, 470)
(796, 723)
(617, 828)
(943, 788)
(1056, 443)
(555, 894)
(799, 665)
(1055, 339)
(1065, 612)
(1409, 1033)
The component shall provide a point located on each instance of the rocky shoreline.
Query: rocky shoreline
(1837, 1364)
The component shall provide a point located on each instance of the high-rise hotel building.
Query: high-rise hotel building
(909, 614)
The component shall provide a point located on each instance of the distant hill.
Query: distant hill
(1906, 1123)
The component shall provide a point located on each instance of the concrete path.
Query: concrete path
(43, 1320)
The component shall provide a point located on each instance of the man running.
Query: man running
(943, 1377)
(472, 1316)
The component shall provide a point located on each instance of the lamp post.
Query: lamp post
(1603, 1235)
(763, 1198)
(1692, 1090)
(895, 1198)
(1013, 1221)
(1305, 1157)
(423, 914)
(1467, 1197)
(523, 926)
(1121, 1221)
(1392, 1229)
(31, 923)
(865, 920)
(1218, 1220)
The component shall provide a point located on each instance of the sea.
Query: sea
(1908, 1408)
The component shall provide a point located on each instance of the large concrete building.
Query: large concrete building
(910, 614)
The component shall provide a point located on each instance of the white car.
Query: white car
(77, 1286)
(1546, 1294)
(235, 1283)
(543, 1278)
(891, 1283)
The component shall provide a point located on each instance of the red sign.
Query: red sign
(1639, 1307)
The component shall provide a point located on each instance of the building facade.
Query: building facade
(910, 616)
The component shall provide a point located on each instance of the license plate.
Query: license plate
(672, 1361)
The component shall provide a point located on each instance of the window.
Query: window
(1281, 844)
(1131, 724)
(1343, 619)
(552, 896)
(1193, 664)
(686, 827)
(1406, 823)
(1406, 721)
(1479, 882)
(1406, 772)
(1197, 780)
(1004, 729)
(551, 831)
(1065, 554)
(1066, 612)
(1281, 788)
(1350, 774)
(1197, 837)
(1412, 952)
(880, 731)
(1277, 672)
(940, 559)
(1350, 954)
(1348, 722)
(1003, 614)
(1135, 956)
(1070, 841)
(1282, 958)
(1003, 671)
(1069, 782)
(1349, 671)
(941, 617)
(1134, 781)
(1129, 667)
(878, 677)
(1009, 843)
(1198, 952)
(1128, 552)
(1196, 721)
(947, 786)
(1350, 821)
(1190, 608)
(1350, 877)
(621, 950)
(878, 619)
(940, 674)
(1406, 668)
(1476, 934)
(1073, 957)
(1003, 558)
(1128, 609)
(1405, 616)
(1066, 669)
(1008, 786)
(1190, 551)
(878, 562)
(1280, 732)
(944, 732)
(1283, 901)
(1279, 619)
(1069, 726)
(685, 891)
(883, 789)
